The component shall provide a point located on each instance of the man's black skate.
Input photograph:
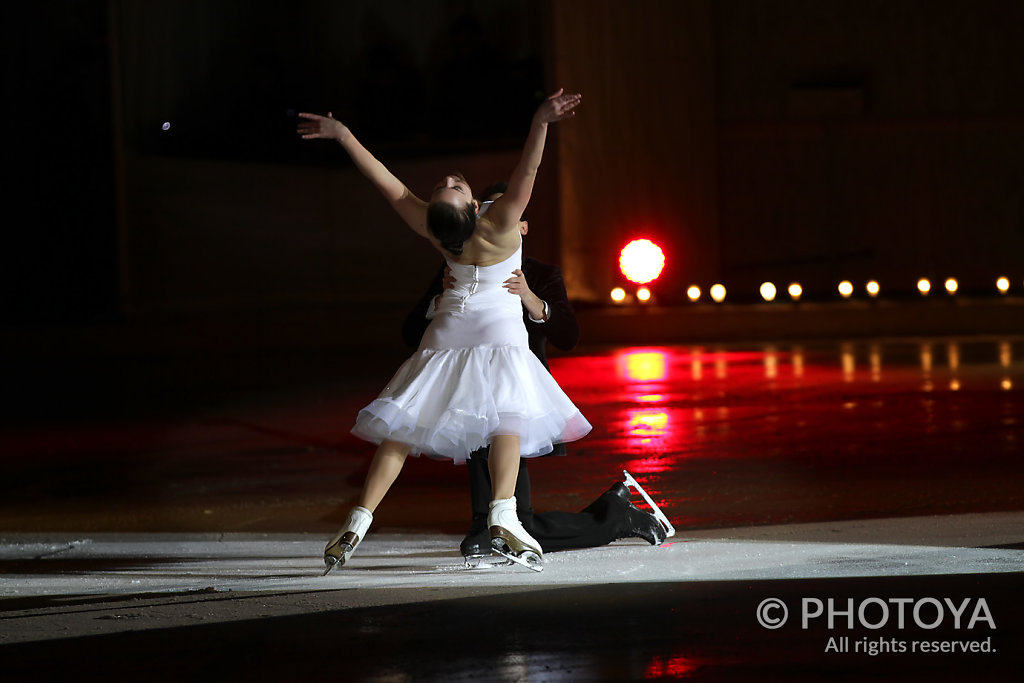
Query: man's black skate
(635, 522)
(655, 510)
(477, 542)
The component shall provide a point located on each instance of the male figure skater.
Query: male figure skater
(548, 316)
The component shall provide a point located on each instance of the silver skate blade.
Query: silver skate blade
(344, 547)
(670, 530)
(484, 561)
(535, 565)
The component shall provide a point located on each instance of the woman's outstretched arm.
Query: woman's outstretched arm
(507, 209)
(411, 208)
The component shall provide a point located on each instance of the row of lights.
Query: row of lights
(641, 261)
(924, 286)
(619, 294)
(769, 291)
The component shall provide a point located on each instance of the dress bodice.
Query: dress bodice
(473, 377)
(482, 286)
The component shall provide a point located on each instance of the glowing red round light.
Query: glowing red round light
(641, 261)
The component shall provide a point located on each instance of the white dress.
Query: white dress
(473, 377)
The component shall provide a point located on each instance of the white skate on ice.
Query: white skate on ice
(344, 543)
(508, 537)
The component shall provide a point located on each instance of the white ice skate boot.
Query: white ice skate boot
(347, 539)
(509, 538)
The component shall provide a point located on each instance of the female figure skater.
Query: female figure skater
(473, 380)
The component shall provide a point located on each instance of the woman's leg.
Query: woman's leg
(384, 468)
(504, 464)
(508, 536)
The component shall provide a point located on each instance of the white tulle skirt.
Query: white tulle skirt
(450, 402)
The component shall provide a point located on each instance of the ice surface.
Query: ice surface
(174, 563)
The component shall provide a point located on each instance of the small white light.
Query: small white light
(693, 293)
(1003, 285)
(795, 291)
(166, 126)
(845, 289)
(718, 293)
(643, 294)
(618, 295)
(952, 285)
(768, 291)
(873, 288)
(924, 286)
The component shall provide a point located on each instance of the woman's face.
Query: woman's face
(453, 189)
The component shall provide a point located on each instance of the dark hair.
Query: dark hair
(451, 225)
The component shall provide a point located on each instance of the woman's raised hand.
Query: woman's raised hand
(557, 107)
(316, 127)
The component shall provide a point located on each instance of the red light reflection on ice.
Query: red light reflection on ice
(652, 465)
(643, 366)
(669, 667)
(648, 434)
(647, 423)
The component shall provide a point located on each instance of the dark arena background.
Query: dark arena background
(822, 386)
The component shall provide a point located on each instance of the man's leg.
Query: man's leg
(477, 542)
(609, 518)
(479, 488)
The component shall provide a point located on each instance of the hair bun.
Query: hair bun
(451, 225)
(453, 247)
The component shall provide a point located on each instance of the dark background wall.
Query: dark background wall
(255, 218)
(870, 139)
(761, 140)
(640, 160)
(59, 262)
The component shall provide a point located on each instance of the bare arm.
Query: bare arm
(510, 206)
(411, 208)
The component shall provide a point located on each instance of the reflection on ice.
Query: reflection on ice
(643, 366)
(671, 666)
(652, 465)
(875, 359)
(797, 359)
(847, 361)
(771, 363)
(668, 411)
(647, 424)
